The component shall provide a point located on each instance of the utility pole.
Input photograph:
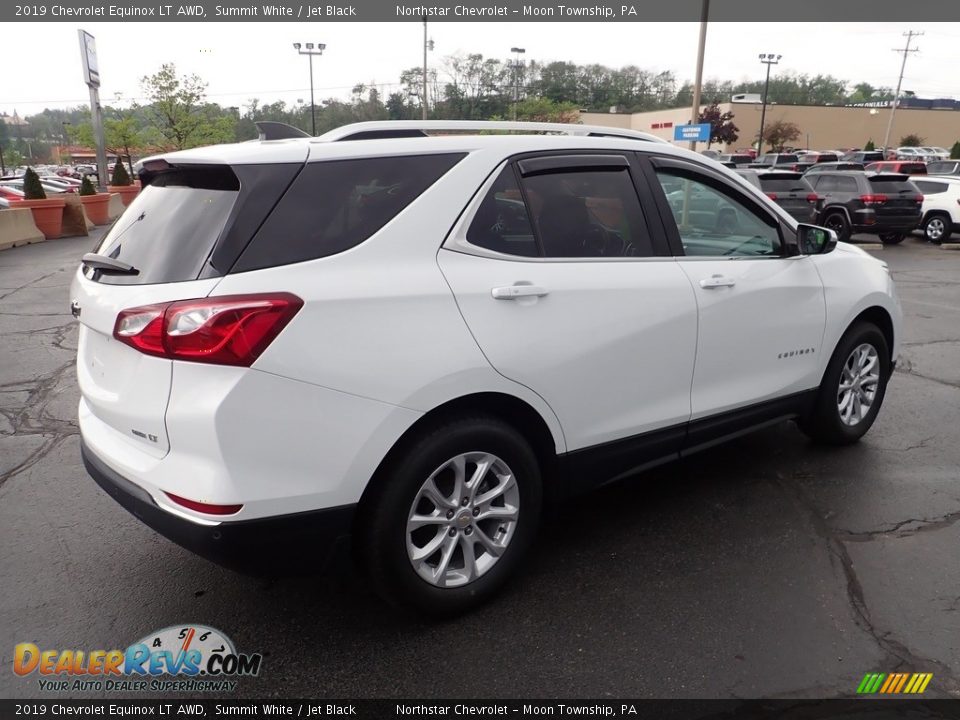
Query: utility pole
(767, 59)
(427, 45)
(517, 65)
(697, 88)
(906, 50)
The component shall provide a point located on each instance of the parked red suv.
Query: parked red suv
(903, 167)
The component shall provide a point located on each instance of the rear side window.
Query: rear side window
(930, 188)
(847, 184)
(591, 213)
(336, 205)
(170, 228)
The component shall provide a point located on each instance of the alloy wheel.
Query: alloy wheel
(462, 519)
(859, 381)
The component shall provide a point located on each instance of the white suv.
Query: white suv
(417, 333)
(941, 206)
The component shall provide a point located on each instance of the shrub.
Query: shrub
(955, 151)
(86, 187)
(870, 145)
(32, 189)
(120, 175)
(911, 140)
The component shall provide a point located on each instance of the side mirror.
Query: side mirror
(813, 240)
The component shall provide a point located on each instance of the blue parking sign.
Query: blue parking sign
(688, 133)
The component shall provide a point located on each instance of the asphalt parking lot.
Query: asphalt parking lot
(768, 567)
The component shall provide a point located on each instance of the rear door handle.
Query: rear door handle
(512, 292)
(717, 281)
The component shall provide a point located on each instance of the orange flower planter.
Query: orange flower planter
(97, 207)
(126, 192)
(47, 215)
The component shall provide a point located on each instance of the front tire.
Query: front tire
(937, 228)
(451, 518)
(891, 238)
(852, 389)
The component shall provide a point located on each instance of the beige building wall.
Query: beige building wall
(821, 128)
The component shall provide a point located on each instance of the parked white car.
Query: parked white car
(416, 334)
(941, 206)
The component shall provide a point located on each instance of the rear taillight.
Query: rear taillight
(204, 507)
(873, 199)
(813, 198)
(229, 330)
(919, 199)
(772, 196)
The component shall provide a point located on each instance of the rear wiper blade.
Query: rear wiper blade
(108, 264)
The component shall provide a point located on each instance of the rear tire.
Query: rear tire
(837, 222)
(937, 228)
(891, 238)
(852, 389)
(470, 485)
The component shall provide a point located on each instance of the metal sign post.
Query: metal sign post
(91, 76)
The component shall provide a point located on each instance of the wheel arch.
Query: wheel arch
(517, 413)
(829, 209)
(879, 317)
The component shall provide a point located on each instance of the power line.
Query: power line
(896, 96)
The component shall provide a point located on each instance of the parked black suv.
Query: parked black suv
(863, 156)
(883, 204)
(789, 190)
(780, 160)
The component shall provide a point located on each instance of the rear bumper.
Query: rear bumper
(284, 544)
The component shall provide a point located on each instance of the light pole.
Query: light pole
(517, 64)
(310, 50)
(767, 59)
(698, 86)
(427, 45)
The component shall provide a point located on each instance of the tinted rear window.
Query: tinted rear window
(785, 185)
(170, 228)
(336, 205)
(941, 167)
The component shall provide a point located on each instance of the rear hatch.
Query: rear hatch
(174, 241)
(791, 192)
(895, 198)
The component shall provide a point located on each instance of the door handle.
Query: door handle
(717, 281)
(512, 292)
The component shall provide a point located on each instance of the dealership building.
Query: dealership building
(821, 127)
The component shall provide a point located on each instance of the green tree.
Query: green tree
(542, 109)
(780, 132)
(120, 176)
(870, 145)
(912, 140)
(32, 189)
(955, 151)
(722, 129)
(177, 107)
(86, 187)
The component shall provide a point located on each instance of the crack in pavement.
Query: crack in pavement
(904, 528)
(26, 285)
(905, 367)
(899, 655)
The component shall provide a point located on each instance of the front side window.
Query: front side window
(712, 222)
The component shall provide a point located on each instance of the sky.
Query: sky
(241, 61)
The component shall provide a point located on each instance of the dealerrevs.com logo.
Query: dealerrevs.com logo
(180, 658)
